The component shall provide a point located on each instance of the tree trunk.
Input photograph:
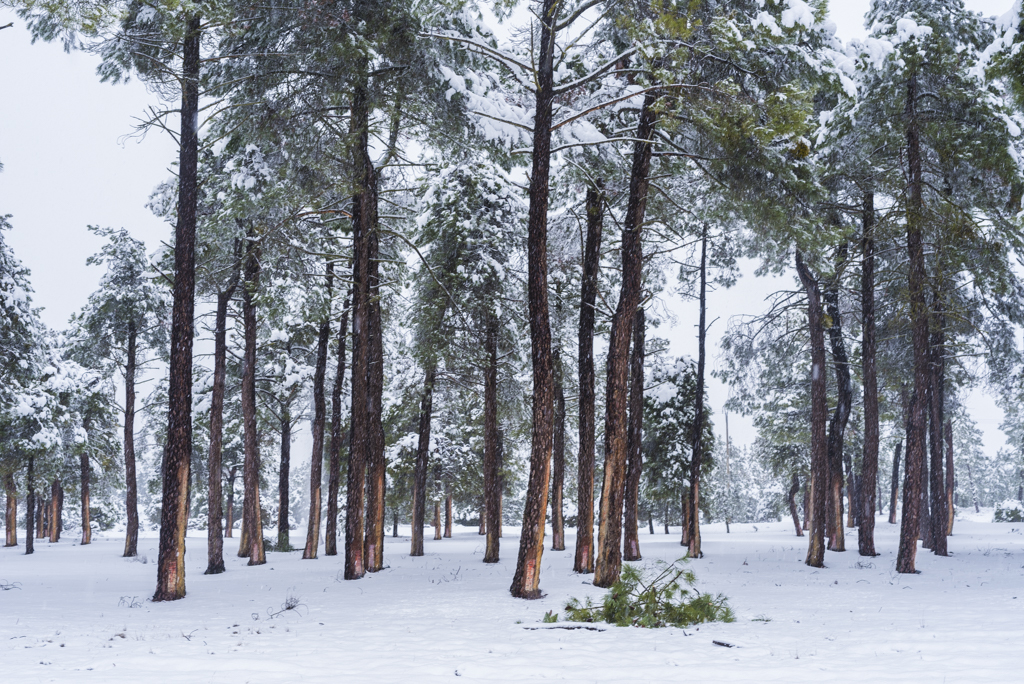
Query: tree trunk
(316, 467)
(283, 481)
(394, 525)
(919, 320)
(650, 522)
(609, 553)
(558, 459)
(483, 521)
(807, 504)
(526, 580)
(448, 516)
(214, 533)
(939, 510)
(895, 489)
(363, 233)
(252, 520)
(634, 439)
(793, 489)
(696, 442)
(925, 529)
(56, 511)
(170, 584)
(819, 412)
(30, 505)
(686, 511)
(492, 466)
(869, 459)
(437, 520)
(42, 523)
(584, 560)
(951, 510)
(419, 479)
(334, 476)
(11, 519)
(229, 526)
(131, 541)
(841, 415)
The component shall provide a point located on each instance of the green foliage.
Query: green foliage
(550, 616)
(1009, 511)
(661, 597)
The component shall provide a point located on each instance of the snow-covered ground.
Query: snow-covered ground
(81, 614)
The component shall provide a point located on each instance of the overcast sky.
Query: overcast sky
(69, 163)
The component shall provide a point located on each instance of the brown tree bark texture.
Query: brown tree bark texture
(334, 465)
(30, 506)
(609, 539)
(794, 489)
(316, 467)
(11, 518)
(949, 477)
(696, 445)
(283, 481)
(251, 544)
(895, 489)
(492, 466)
(869, 459)
(56, 510)
(178, 454)
(214, 531)
(131, 540)
(229, 516)
(376, 466)
(841, 415)
(437, 520)
(819, 412)
(937, 488)
(448, 517)
(584, 559)
(558, 459)
(419, 479)
(634, 441)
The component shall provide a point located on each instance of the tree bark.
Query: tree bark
(283, 481)
(30, 506)
(316, 467)
(252, 520)
(419, 479)
(609, 539)
(482, 530)
(170, 583)
(807, 504)
(131, 541)
(841, 415)
(448, 516)
(584, 560)
(634, 439)
(11, 519)
(334, 476)
(869, 459)
(558, 459)
(686, 511)
(492, 466)
(437, 520)
(526, 580)
(214, 532)
(56, 511)
(696, 443)
(229, 515)
(42, 523)
(895, 483)
(819, 412)
(793, 489)
(939, 510)
(951, 510)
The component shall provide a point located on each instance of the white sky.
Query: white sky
(67, 165)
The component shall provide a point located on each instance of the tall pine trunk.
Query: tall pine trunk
(869, 460)
(437, 520)
(794, 489)
(214, 531)
(685, 510)
(916, 424)
(11, 519)
(131, 495)
(634, 439)
(895, 487)
(841, 415)
(526, 580)
(584, 560)
(819, 413)
(939, 514)
(448, 516)
(696, 441)
(56, 511)
(229, 515)
(170, 584)
(419, 478)
(30, 506)
(316, 467)
(492, 467)
(558, 459)
(609, 539)
(251, 544)
(950, 509)
(334, 465)
(284, 480)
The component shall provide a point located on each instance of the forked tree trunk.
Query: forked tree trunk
(609, 540)
(131, 541)
(252, 537)
(229, 515)
(30, 505)
(419, 478)
(558, 459)
(283, 480)
(214, 531)
(492, 467)
(869, 460)
(437, 520)
(696, 441)
(448, 516)
(793, 489)
(170, 584)
(526, 580)
(362, 234)
(919, 321)
(939, 514)
(584, 560)
(951, 510)
(895, 488)
(634, 440)
(334, 475)
(841, 415)
(819, 413)
(11, 519)
(316, 467)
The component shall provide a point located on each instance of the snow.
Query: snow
(80, 614)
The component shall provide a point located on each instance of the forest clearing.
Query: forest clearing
(446, 615)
